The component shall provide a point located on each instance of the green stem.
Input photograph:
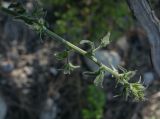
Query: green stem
(136, 90)
(81, 51)
(58, 38)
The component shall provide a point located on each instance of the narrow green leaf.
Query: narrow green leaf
(137, 91)
(66, 69)
(122, 68)
(69, 67)
(88, 73)
(38, 12)
(86, 42)
(61, 55)
(91, 44)
(99, 79)
(73, 66)
(105, 40)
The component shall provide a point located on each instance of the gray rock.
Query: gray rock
(53, 71)
(6, 67)
(28, 70)
(5, 4)
(3, 108)
(148, 78)
(50, 110)
(109, 58)
(123, 44)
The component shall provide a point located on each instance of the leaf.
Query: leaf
(99, 79)
(88, 73)
(39, 27)
(122, 68)
(114, 69)
(130, 74)
(105, 40)
(69, 67)
(137, 91)
(38, 12)
(91, 45)
(61, 55)
(86, 42)
(73, 66)
(126, 92)
(66, 69)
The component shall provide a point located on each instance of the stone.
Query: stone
(53, 71)
(6, 67)
(123, 44)
(109, 58)
(148, 78)
(3, 108)
(50, 110)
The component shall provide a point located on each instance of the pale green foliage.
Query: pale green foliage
(134, 90)
(69, 67)
(99, 79)
(91, 44)
(137, 91)
(105, 40)
(61, 55)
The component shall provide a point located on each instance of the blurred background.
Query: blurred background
(33, 87)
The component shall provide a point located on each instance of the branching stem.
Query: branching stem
(80, 51)
(58, 38)
(135, 90)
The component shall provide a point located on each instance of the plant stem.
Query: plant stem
(135, 89)
(58, 38)
(81, 51)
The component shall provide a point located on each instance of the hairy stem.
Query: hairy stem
(80, 51)
(135, 90)
(58, 38)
